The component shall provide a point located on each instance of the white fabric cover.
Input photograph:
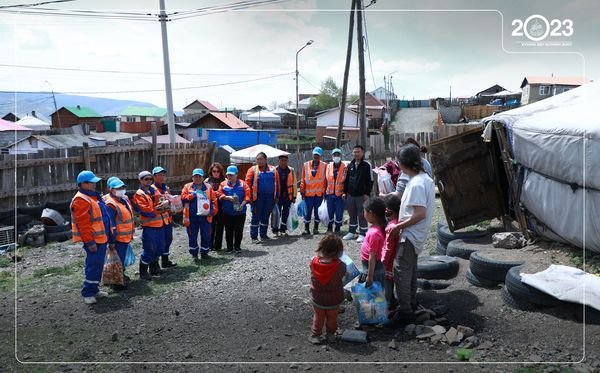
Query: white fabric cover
(248, 155)
(568, 284)
(264, 116)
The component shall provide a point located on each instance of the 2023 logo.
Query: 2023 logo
(537, 27)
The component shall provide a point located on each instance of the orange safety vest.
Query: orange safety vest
(125, 226)
(336, 185)
(156, 221)
(98, 232)
(291, 184)
(313, 185)
(255, 181)
(161, 194)
(210, 194)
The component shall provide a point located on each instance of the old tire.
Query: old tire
(483, 264)
(524, 291)
(439, 248)
(61, 206)
(58, 236)
(33, 211)
(57, 228)
(445, 236)
(516, 302)
(438, 267)
(480, 282)
(464, 248)
(21, 219)
(432, 285)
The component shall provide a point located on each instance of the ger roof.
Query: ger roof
(83, 112)
(144, 111)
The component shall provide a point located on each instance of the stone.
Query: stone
(471, 342)
(436, 339)
(410, 329)
(422, 317)
(429, 323)
(459, 336)
(441, 320)
(465, 330)
(188, 355)
(176, 313)
(438, 329)
(114, 337)
(485, 345)
(425, 335)
(509, 240)
(451, 335)
(535, 358)
(393, 344)
(422, 329)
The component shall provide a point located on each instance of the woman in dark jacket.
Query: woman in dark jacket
(216, 176)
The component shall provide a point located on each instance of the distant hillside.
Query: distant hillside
(41, 102)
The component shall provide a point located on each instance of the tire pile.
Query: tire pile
(29, 216)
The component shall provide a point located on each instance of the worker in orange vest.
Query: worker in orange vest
(287, 193)
(263, 181)
(160, 177)
(154, 217)
(121, 213)
(199, 206)
(91, 224)
(336, 175)
(312, 188)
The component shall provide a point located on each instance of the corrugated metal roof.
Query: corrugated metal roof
(144, 111)
(164, 139)
(206, 104)
(555, 80)
(6, 125)
(227, 119)
(83, 112)
(68, 141)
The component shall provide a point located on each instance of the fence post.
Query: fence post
(86, 156)
(154, 146)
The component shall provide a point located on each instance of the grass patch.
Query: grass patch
(7, 281)
(65, 270)
(4, 261)
(592, 261)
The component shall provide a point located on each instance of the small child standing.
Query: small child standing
(326, 288)
(372, 247)
(392, 206)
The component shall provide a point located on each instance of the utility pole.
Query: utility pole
(55, 107)
(361, 74)
(167, 68)
(338, 141)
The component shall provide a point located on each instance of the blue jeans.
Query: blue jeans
(94, 263)
(261, 212)
(335, 208)
(312, 203)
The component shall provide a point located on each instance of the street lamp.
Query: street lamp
(297, 109)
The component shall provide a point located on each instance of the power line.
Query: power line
(306, 80)
(34, 4)
(181, 88)
(121, 71)
(224, 8)
(367, 42)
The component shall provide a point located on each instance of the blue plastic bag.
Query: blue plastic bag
(351, 271)
(302, 208)
(129, 256)
(370, 303)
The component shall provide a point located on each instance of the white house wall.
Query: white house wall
(332, 118)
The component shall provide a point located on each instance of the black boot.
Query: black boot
(166, 263)
(144, 275)
(155, 269)
(330, 228)
(337, 230)
(306, 229)
(316, 228)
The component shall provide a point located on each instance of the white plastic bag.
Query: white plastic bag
(202, 203)
(351, 271)
(323, 213)
(292, 222)
(384, 181)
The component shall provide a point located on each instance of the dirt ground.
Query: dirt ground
(251, 313)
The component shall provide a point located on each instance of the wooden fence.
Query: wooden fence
(480, 111)
(49, 175)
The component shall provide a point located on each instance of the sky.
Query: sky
(244, 58)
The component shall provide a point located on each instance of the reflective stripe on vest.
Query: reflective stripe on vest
(255, 181)
(156, 221)
(98, 232)
(314, 185)
(336, 185)
(125, 225)
(291, 184)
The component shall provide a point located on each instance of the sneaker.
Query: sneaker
(349, 236)
(89, 300)
(255, 241)
(331, 338)
(101, 294)
(360, 238)
(275, 234)
(315, 339)
(265, 238)
(284, 234)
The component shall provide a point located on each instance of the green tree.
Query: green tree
(329, 96)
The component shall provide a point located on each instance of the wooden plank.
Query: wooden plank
(41, 162)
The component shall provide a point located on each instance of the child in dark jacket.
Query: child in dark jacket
(326, 288)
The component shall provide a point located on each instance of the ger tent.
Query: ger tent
(34, 123)
(555, 147)
(264, 116)
(248, 155)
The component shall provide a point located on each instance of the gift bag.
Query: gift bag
(176, 204)
(324, 213)
(112, 273)
(351, 270)
(129, 256)
(202, 203)
(275, 218)
(301, 209)
(292, 222)
(370, 303)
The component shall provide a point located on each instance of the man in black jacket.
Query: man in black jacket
(357, 189)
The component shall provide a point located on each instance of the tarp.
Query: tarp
(557, 142)
(568, 284)
(249, 154)
(263, 116)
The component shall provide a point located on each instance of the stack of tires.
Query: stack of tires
(444, 236)
(58, 232)
(488, 268)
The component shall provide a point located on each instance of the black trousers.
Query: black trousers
(234, 229)
(216, 234)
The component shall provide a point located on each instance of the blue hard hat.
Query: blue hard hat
(87, 176)
(336, 150)
(232, 170)
(157, 170)
(115, 183)
(198, 171)
(318, 151)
